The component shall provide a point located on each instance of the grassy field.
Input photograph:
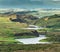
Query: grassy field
(30, 48)
(8, 28)
(49, 21)
(8, 40)
(44, 40)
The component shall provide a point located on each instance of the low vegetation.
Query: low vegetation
(9, 30)
(30, 48)
(44, 40)
(49, 21)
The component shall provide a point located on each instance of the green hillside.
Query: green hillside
(11, 28)
(49, 21)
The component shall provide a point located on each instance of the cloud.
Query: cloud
(29, 3)
(55, 0)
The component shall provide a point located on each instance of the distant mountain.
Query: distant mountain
(19, 10)
(16, 11)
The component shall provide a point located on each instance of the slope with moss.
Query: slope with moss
(49, 21)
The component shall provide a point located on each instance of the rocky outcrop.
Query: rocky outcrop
(35, 33)
(32, 33)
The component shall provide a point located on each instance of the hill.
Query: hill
(49, 21)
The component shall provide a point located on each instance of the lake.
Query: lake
(33, 40)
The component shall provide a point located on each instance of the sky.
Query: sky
(29, 4)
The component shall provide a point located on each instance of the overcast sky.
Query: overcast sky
(29, 4)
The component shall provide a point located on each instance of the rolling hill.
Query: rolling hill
(52, 21)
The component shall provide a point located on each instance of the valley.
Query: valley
(27, 28)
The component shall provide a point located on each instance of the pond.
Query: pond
(33, 40)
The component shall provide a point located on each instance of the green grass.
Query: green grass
(26, 36)
(5, 22)
(8, 30)
(28, 48)
(8, 40)
(52, 22)
(44, 40)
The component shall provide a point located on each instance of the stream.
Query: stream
(33, 40)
